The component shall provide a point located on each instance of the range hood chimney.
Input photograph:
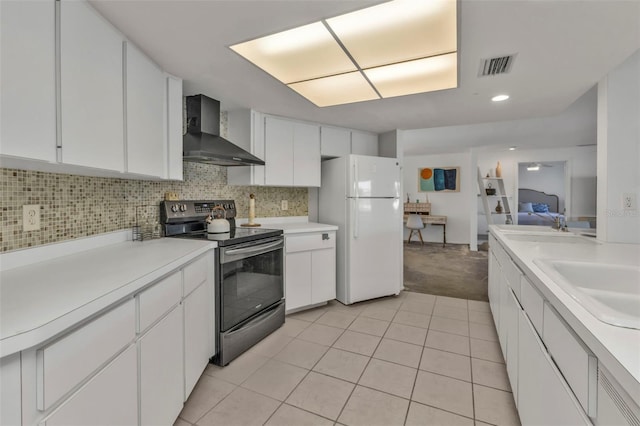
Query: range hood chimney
(203, 144)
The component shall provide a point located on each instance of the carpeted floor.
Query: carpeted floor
(453, 271)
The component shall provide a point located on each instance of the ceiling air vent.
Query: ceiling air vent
(495, 66)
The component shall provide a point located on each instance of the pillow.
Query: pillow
(540, 207)
(525, 207)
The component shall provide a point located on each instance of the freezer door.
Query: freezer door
(374, 250)
(373, 176)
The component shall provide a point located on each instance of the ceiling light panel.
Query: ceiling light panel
(336, 90)
(299, 54)
(422, 75)
(398, 31)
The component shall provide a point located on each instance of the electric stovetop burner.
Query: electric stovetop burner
(186, 219)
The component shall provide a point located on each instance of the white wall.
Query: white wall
(454, 205)
(619, 151)
(549, 179)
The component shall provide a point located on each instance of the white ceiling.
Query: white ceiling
(563, 48)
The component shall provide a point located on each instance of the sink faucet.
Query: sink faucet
(558, 224)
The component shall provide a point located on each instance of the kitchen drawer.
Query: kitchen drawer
(65, 363)
(514, 275)
(316, 241)
(532, 303)
(158, 299)
(109, 398)
(195, 274)
(578, 364)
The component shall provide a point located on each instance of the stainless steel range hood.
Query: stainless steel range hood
(203, 143)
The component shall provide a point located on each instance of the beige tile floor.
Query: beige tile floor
(414, 359)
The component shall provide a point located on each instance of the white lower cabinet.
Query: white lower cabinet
(494, 287)
(103, 372)
(512, 313)
(198, 334)
(544, 397)
(310, 269)
(109, 398)
(161, 370)
(10, 403)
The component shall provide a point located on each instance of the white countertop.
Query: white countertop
(40, 300)
(617, 348)
(290, 224)
(301, 227)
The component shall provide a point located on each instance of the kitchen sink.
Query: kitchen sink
(557, 237)
(609, 292)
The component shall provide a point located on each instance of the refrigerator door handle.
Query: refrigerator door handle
(356, 215)
(357, 196)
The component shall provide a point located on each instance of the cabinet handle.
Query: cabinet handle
(325, 237)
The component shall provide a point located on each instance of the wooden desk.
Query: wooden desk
(433, 220)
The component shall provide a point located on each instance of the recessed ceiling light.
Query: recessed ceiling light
(533, 167)
(512, 148)
(500, 98)
(392, 49)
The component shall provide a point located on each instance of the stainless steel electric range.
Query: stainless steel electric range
(249, 285)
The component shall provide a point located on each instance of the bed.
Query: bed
(537, 197)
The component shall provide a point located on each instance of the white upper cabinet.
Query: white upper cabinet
(91, 89)
(174, 128)
(246, 129)
(306, 155)
(102, 107)
(335, 141)
(278, 147)
(27, 49)
(364, 143)
(145, 102)
(292, 153)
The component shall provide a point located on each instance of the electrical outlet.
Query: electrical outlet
(629, 201)
(284, 205)
(30, 217)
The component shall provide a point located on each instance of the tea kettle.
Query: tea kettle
(218, 225)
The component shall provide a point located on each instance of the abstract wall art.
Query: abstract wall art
(439, 179)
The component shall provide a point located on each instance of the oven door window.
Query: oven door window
(250, 285)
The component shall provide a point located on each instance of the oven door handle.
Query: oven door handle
(254, 249)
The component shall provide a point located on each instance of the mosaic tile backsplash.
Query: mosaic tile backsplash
(77, 206)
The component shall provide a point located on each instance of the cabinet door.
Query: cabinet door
(512, 313)
(298, 280)
(323, 275)
(278, 146)
(306, 155)
(174, 128)
(494, 287)
(91, 88)
(161, 371)
(363, 143)
(110, 398)
(10, 388)
(335, 141)
(28, 109)
(543, 395)
(145, 87)
(505, 294)
(198, 334)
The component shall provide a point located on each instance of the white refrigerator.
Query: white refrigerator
(361, 195)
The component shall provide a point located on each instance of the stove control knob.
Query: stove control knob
(174, 208)
(183, 207)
